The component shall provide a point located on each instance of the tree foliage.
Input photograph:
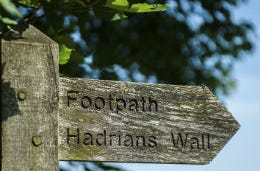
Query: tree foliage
(192, 42)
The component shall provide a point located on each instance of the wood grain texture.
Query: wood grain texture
(29, 103)
(136, 122)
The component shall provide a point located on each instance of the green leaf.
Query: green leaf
(144, 7)
(8, 21)
(67, 40)
(118, 2)
(119, 16)
(64, 54)
(123, 5)
(10, 7)
(29, 3)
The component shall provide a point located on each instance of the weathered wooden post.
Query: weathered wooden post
(29, 113)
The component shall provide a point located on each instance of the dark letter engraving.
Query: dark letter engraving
(152, 141)
(133, 105)
(128, 141)
(140, 139)
(143, 103)
(72, 136)
(176, 142)
(101, 138)
(153, 102)
(118, 106)
(194, 141)
(71, 98)
(110, 102)
(85, 100)
(102, 103)
(88, 139)
(208, 141)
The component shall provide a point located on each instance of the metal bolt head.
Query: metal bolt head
(36, 140)
(21, 95)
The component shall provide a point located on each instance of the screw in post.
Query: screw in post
(21, 95)
(36, 140)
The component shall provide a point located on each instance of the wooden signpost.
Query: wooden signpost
(46, 118)
(136, 122)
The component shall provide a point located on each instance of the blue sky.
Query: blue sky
(243, 151)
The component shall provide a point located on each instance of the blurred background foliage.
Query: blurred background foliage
(193, 42)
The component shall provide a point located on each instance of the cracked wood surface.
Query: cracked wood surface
(118, 121)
